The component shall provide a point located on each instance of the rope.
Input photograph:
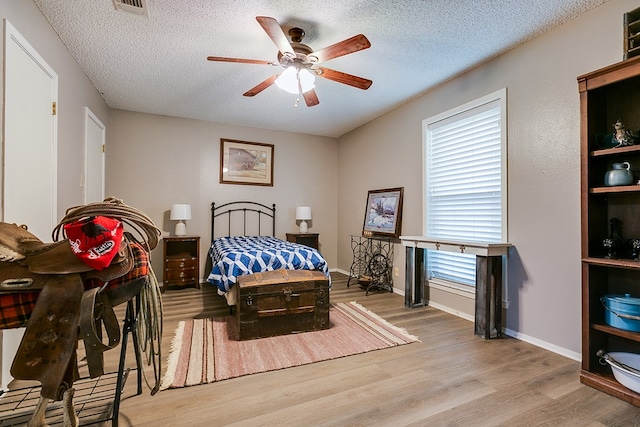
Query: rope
(149, 329)
(114, 208)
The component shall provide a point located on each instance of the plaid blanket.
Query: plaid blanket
(16, 308)
(235, 256)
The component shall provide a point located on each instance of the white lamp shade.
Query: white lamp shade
(303, 212)
(307, 80)
(288, 80)
(180, 212)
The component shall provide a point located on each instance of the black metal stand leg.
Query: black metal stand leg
(360, 249)
(128, 327)
(136, 348)
(120, 379)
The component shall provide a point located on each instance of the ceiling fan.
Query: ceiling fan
(300, 62)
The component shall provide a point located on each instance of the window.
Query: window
(465, 182)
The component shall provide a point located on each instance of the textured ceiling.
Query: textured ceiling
(158, 64)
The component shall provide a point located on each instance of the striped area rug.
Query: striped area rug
(201, 351)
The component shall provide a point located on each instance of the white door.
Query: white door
(30, 145)
(28, 171)
(95, 140)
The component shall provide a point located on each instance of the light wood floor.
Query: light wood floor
(450, 378)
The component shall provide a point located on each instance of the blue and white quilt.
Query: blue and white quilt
(236, 256)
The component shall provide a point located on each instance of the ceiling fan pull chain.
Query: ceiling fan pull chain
(299, 89)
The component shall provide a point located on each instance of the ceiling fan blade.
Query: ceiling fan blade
(244, 61)
(273, 30)
(342, 48)
(310, 98)
(261, 86)
(344, 78)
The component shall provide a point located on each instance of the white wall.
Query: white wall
(544, 170)
(156, 161)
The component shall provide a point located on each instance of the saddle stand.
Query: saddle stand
(64, 311)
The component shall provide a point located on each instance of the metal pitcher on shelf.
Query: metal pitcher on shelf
(620, 175)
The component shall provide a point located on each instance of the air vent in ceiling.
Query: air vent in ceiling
(139, 7)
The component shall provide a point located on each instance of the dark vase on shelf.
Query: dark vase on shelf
(635, 249)
(614, 243)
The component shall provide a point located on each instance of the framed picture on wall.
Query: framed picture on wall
(383, 213)
(248, 163)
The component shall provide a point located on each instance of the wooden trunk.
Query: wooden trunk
(282, 302)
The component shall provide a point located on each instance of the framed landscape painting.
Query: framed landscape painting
(383, 213)
(249, 163)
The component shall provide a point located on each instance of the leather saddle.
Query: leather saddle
(17, 245)
(47, 351)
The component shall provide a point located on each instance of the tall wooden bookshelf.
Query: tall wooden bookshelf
(607, 95)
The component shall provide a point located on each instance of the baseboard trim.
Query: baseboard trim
(517, 335)
(545, 345)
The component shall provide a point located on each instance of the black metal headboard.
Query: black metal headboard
(262, 213)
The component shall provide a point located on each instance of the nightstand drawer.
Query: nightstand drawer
(180, 275)
(180, 263)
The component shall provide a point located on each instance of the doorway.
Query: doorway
(95, 143)
(30, 143)
(29, 167)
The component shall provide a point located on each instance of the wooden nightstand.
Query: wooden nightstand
(308, 239)
(181, 261)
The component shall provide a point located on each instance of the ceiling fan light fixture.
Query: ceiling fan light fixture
(288, 80)
(293, 81)
(307, 80)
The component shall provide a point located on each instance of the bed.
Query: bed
(243, 242)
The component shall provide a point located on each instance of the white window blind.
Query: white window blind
(464, 186)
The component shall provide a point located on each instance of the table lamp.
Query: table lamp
(180, 213)
(303, 213)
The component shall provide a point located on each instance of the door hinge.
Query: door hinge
(53, 108)
(103, 149)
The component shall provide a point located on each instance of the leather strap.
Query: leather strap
(17, 278)
(96, 311)
(47, 352)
